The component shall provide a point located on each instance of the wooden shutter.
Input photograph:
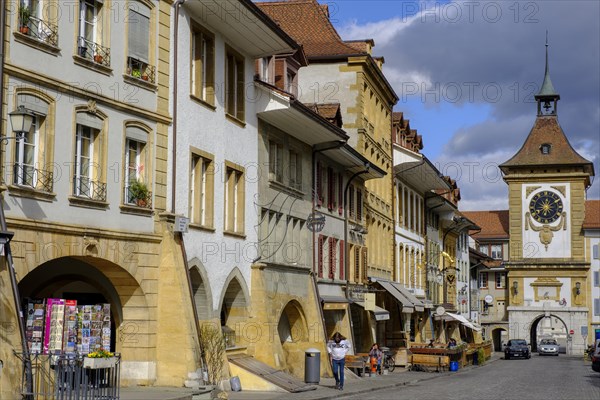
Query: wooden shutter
(331, 258)
(330, 189)
(356, 264)
(319, 199)
(351, 201)
(365, 264)
(359, 205)
(342, 258)
(320, 256)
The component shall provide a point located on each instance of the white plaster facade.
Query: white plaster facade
(593, 249)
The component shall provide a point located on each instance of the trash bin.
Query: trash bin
(312, 366)
(453, 365)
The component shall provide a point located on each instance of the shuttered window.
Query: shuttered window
(139, 31)
(597, 278)
(342, 258)
(596, 307)
(320, 256)
(332, 245)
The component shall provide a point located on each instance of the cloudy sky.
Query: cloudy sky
(466, 73)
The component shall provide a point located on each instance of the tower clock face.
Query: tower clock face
(545, 207)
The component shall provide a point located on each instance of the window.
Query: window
(234, 84)
(359, 205)
(545, 148)
(264, 65)
(275, 161)
(351, 201)
(483, 280)
(596, 307)
(595, 252)
(133, 168)
(89, 157)
(485, 249)
(234, 199)
(26, 150)
(84, 161)
(203, 64)
(138, 60)
(342, 258)
(201, 200)
(34, 21)
(500, 280)
(33, 152)
(331, 187)
(357, 259)
(597, 278)
(496, 251)
(290, 85)
(89, 42)
(295, 168)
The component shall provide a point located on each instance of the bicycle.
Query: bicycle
(389, 362)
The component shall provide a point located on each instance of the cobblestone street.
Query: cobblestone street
(538, 378)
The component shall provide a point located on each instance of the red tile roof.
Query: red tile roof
(494, 224)
(329, 111)
(592, 215)
(308, 23)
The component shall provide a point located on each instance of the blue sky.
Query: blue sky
(466, 73)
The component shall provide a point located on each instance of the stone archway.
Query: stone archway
(292, 330)
(234, 309)
(549, 327)
(201, 290)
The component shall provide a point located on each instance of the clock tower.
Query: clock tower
(547, 181)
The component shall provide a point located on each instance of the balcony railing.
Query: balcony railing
(86, 188)
(141, 70)
(136, 199)
(71, 377)
(40, 30)
(93, 51)
(38, 179)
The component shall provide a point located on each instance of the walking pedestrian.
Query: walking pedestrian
(337, 349)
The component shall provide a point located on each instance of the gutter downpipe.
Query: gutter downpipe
(7, 251)
(316, 150)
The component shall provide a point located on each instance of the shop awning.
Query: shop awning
(407, 306)
(456, 317)
(381, 314)
(402, 295)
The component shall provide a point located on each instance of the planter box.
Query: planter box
(98, 363)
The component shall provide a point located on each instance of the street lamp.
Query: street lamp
(21, 120)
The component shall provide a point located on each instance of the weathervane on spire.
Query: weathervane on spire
(547, 94)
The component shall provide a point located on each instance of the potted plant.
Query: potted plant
(145, 76)
(24, 16)
(98, 58)
(136, 73)
(139, 193)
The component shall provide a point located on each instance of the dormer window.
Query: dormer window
(264, 64)
(545, 148)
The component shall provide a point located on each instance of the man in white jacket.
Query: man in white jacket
(337, 348)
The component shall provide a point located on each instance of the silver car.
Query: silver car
(548, 346)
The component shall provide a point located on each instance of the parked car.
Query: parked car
(517, 348)
(548, 346)
(596, 356)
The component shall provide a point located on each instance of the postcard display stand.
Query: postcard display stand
(59, 325)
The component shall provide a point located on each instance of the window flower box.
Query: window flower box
(99, 363)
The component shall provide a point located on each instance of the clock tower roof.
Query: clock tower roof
(547, 144)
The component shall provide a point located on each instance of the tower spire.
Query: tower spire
(547, 94)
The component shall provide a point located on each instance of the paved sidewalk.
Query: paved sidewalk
(325, 389)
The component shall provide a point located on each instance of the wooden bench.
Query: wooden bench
(359, 362)
(429, 360)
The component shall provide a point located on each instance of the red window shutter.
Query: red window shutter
(342, 255)
(320, 256)
(340, 194)
(357, 256)
(331, 258)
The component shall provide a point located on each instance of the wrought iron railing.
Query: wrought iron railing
(137, 199)
(141, 70)
(39, 29)
(27, 175)
(87, 188)
(93, 51)
(72, 377)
